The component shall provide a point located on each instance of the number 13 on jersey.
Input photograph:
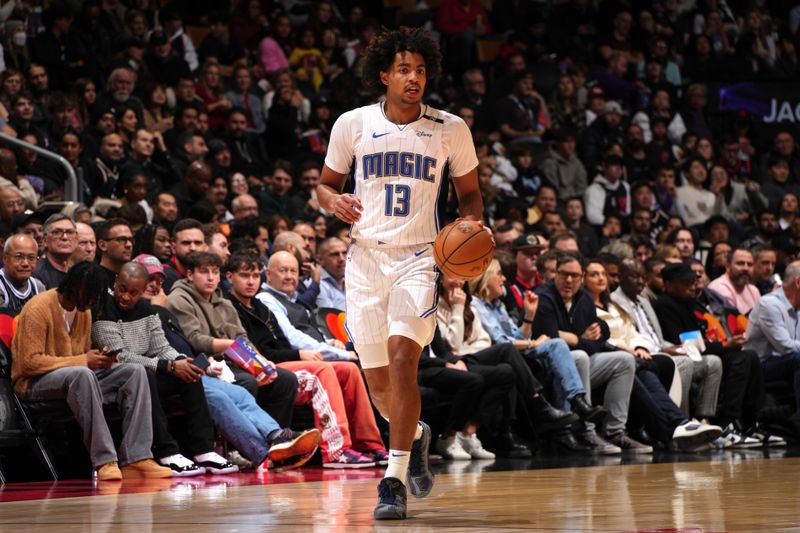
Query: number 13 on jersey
(397, 200)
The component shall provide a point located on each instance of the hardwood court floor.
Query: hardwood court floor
(726, 492)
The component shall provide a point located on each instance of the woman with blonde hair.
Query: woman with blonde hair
(568, 388)
(472, 350)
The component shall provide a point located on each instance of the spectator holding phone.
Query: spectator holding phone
(130, 327)
(53, 359)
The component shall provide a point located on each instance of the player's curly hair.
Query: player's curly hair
(379, 55)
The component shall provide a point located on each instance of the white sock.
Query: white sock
(418, 433)
(398, 465)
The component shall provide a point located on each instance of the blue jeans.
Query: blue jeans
(784, 368)
(567, 382)
(240, 420)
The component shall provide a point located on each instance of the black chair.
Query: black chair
(16, 429)
(322, 315)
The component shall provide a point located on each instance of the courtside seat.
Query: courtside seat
(16, 429)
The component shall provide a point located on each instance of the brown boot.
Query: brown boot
(145, 468)
(109, 472)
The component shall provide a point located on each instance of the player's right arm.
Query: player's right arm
(341, 149)
(346, 207)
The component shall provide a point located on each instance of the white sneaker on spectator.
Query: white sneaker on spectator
(181, 466)
(738, 439)
(768, 440)
(693, 435)
(214, 463)
(473, 446)
(451, 449)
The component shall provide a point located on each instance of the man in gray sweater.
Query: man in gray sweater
(130, 325)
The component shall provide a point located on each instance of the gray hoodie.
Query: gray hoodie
(203, 320)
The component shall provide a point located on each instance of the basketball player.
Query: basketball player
(403, 152)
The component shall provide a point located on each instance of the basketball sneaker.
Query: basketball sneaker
(288, 443)
(450, 448)
(693, 435)
(738, 439)
(473, 446)
(381, 457)
(214, 463)
(420, 477)
(391, 500)
(350, 459)
(181, 466)
(765, 438)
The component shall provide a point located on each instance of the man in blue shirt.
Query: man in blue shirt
(332, 256)
(295, 319)
(774, 333)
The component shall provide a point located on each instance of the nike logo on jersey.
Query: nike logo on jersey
(417, 254)
(376, 135)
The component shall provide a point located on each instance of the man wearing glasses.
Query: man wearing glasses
(60, 240)
(115, 244)
(17, 284)
(567, 311)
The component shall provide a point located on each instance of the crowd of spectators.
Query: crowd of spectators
(628, 209)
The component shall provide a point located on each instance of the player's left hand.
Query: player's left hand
(348, 208)
(486, 228)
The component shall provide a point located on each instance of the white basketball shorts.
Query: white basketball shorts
(385, 285)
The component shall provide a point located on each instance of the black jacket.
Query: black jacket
(676, 317)
(552, 316)
(264, 332)
(442, 353)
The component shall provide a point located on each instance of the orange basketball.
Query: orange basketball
(463, 249)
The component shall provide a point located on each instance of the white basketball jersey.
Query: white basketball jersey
(400, 170)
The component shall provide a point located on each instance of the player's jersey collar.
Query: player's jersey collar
(423, 108)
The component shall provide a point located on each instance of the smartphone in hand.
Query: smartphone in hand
(201, 361)
(112, 353)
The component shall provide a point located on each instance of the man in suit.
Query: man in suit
(707, 372)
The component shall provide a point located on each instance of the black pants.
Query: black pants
(662, 366)
(652, 408)
(199, 427)
(478, 395)
(525, 383)
(505, 352)
(277, 399)
(742, 388)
